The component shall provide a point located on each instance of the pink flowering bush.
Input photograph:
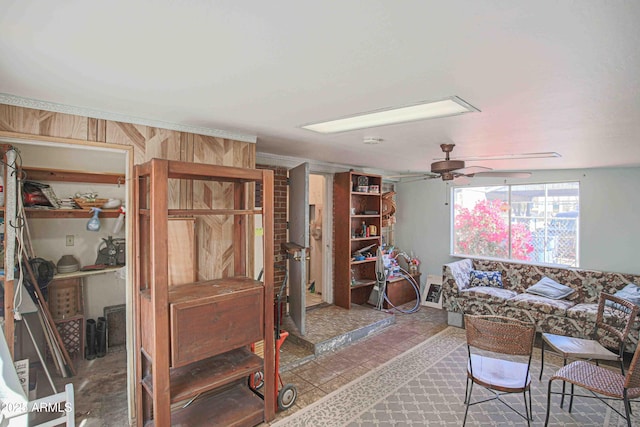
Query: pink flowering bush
(484, 231)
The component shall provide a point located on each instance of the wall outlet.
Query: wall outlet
(69, 240)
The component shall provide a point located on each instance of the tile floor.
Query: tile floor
(313, 299)
(100, 386)
(334, 369)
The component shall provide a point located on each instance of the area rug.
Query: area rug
(425, 386)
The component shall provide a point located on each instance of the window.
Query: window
(532, 222)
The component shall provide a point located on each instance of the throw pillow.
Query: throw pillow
(485, 278)
(631, 293)
(551, 289)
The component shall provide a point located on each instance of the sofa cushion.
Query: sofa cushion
(585, 312)
(543, 305)
(460, 272)
(631, 293)
(551, 289)
(488, 293)
(483, 299)
(485, 278)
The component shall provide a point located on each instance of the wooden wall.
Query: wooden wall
(214, 234)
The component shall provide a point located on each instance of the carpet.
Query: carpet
(425, 386)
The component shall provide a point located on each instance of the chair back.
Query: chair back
(500, 334)
(614, 320)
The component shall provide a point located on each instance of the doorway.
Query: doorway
(310, 221)
(76, 296)
(315, 276)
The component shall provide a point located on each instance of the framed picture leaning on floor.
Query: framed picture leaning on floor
(432, 296)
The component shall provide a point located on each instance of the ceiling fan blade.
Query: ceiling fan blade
(421, 175)
(503, 174)
(462, 179)
(408, 175)
(470, 170)
(421, 178)
(511, 156)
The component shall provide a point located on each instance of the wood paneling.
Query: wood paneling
(129, 134)
(182, 251)
(45, 123)
(208, 195)
(97, 130)
(216, 251)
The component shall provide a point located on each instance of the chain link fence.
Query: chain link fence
(555, 240)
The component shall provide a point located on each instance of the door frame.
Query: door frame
(327, 226)
(128, 152)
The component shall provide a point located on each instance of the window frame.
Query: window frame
(452, 252)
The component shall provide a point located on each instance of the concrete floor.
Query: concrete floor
(100, 388)
(100, 385)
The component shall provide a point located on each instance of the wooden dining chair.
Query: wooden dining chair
(500, 352)
(603, 383)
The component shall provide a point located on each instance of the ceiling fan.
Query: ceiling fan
(450, 169)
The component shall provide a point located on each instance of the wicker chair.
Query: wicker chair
(600, 382)
(500, 351)
(613, 324)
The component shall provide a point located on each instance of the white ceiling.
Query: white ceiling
(559, 76)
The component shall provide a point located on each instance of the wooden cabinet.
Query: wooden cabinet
(193, 338)
(400, 291)
(357, 209)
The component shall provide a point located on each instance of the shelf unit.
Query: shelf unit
(193, 339)
(354, 279)
(61, 175)
(67, 213)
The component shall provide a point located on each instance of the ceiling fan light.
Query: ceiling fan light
(451, 106)
(447, 176)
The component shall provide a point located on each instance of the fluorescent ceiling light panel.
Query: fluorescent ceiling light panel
(543, 155)
(425, 110)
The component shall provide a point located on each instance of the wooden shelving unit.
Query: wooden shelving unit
(46, 174)
(354, 279)
(67, 213)
(193, 338)
(60, 175)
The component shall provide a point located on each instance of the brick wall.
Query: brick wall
(280, 189)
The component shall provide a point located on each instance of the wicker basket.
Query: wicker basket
(89, 203)
(65, 298)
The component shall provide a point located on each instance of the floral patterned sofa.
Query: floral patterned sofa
(573, 316)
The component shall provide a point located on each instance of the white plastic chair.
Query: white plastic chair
(16, 407)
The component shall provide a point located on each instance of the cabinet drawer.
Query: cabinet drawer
(205, 327)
